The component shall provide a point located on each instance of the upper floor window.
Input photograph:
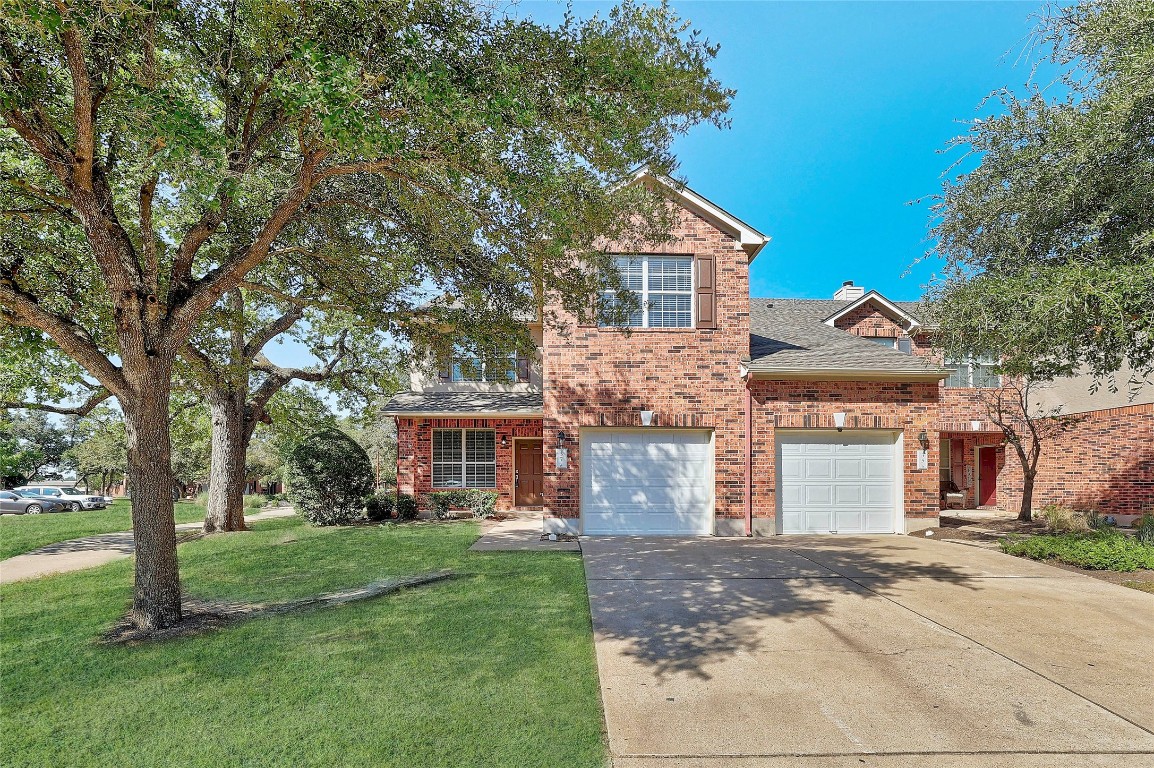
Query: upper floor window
(900, 343)
(495, 368)
(663, 286)
(975, 372)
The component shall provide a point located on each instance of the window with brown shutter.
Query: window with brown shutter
(706, 296)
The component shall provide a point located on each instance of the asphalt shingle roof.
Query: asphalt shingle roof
(791, 335)
(511, 403)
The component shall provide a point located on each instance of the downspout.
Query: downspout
(748, 454)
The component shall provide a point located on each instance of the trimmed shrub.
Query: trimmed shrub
(481, 503)
(329, 475)
(406, 507)
(440, 502)
(254, 500)
(379, 506)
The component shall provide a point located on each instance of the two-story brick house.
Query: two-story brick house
(717, 413)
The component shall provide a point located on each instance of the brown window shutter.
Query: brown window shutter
(591, 312)
(706, 297)
(446, 369)
(522, 369)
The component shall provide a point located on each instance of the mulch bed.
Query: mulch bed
(957, 529)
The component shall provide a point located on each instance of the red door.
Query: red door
(987, 477)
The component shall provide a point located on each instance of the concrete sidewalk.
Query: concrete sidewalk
(91, 551)
(878, 651)
(520, 533)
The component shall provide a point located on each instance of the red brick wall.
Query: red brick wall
(899, 406)
(1106, 463)
(415, 452)
(866, 320)
(689, 377)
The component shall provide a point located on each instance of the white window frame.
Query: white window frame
(464, 468)
(644, 294)
(968, 364)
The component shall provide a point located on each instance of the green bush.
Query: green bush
(1106, 550)
(379, 506)
(201, 499)
(1063, 519)
(406, 507)
(254, 500)
(329, 475)
(1145, 528)
(481, 503)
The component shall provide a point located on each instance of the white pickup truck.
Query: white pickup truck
(73, 498)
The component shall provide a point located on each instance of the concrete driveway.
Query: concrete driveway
(865, 651)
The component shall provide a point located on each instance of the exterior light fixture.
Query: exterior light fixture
(560, 438)
(504, 441)
(646, 418)
(839, 420)
(924, 439)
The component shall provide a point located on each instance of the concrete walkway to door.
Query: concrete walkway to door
(864, 651)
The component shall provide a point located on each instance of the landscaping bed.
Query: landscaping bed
(492, 667)
(1099, 551)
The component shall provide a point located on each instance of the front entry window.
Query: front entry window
(464, 458)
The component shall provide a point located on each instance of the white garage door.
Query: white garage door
(646, 482)
(837, 483)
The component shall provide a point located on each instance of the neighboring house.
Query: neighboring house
(721, 414)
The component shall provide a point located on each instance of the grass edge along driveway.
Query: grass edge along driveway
(495, 667)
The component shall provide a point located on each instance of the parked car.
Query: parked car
(72, 498)
(16, 504)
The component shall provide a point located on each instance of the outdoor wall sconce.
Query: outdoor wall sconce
(560, 438)
(839, 420)
(504, 441)
(646, 418)
(924, 439)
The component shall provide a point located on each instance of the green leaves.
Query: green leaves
(1049, 242)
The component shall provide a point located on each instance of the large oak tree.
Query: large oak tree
(155, 154)
(1049, 241)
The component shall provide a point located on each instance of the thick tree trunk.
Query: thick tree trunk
(156, 597)
(226, 480)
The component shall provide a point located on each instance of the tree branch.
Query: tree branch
(95, 399)
(263, 336)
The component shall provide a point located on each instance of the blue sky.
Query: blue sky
(842, 110)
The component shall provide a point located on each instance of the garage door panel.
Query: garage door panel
(646, 482)
(837, 483)
(848, 494)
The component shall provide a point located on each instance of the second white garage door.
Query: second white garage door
(837, 482)
(648, 481)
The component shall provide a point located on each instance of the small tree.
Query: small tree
(1026, 428)
(329, 476)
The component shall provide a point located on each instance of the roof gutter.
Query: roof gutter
(465, 414)
(847, 374)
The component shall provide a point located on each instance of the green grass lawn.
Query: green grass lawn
(22, 533)
(494, 668)
(1104, 551)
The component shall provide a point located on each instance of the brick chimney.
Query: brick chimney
(849, 291)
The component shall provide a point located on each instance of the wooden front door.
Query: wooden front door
(987, 477)
(528, 474)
